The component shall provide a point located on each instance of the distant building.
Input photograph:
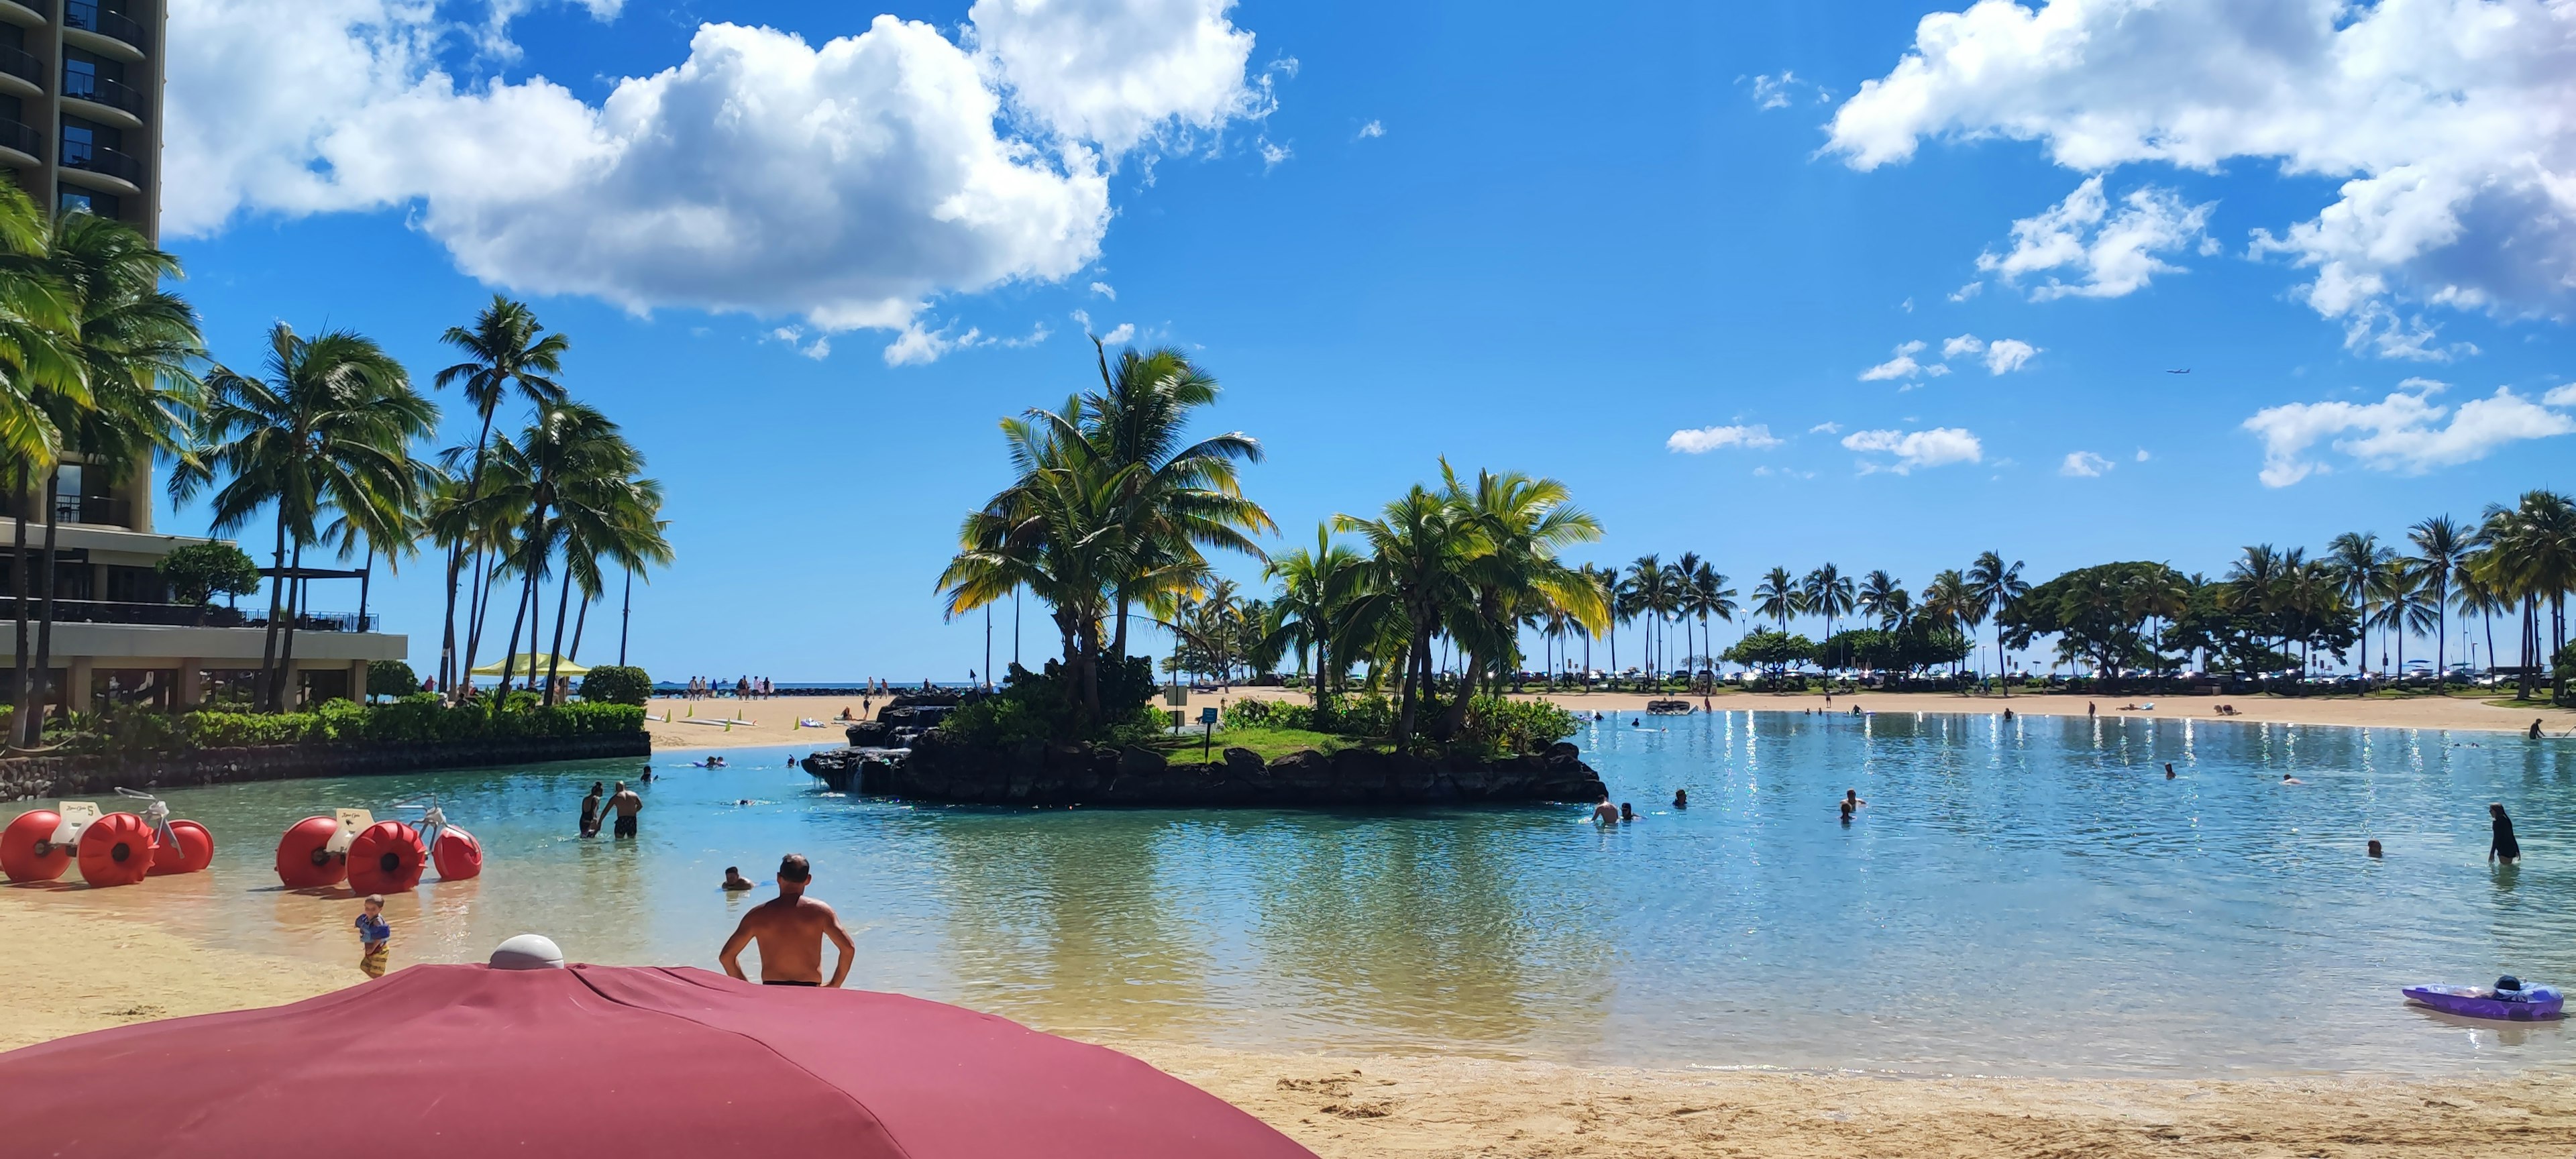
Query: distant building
(80, 129)
(80, 105)
(118, 636)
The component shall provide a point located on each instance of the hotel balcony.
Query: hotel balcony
(20, 145)
(102, 168)
(22, 74)
(86, 25)
(106, 101)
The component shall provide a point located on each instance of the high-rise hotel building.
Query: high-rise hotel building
(80, 104)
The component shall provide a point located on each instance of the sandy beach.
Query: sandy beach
(1422, 1107)
(692, 724)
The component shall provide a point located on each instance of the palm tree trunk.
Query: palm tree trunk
(264, 693)
(45, 621)
(286, 638)
(626, 611)
(26, 708)
(518, 620)
(580, 621)
(554, 655)
(447, 641)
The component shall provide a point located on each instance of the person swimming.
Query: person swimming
(734, 881)
(1605, 813)
(1681, 798)
(1847, 810)
(1851, 798)
(2168, 770)
(2287, 779)
(2374, 847)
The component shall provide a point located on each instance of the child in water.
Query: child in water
(375, 937)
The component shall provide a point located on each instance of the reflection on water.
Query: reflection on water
(2025, 896)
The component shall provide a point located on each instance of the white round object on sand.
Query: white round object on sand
(528, 952)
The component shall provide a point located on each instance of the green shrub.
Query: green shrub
(391, 678)
(612, 684)
(1500, 726)
(199, 572)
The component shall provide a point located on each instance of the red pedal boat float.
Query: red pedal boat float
(373, 856)
(110, 848)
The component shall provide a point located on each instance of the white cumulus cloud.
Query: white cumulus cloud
(846, 183)
(2442, 125)
(1706, 439)
(1935, 447)
(2404, 432)
(2107, 254)
(1372, 129)
(2084, 465)
(1901, 366)
(2005, 355)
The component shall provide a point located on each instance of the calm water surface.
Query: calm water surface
(2031, 897)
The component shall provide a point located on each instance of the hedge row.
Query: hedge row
(414, 720)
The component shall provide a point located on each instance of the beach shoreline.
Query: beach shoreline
(101, 970)
(677, 724)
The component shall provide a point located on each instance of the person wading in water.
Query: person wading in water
(790, 929)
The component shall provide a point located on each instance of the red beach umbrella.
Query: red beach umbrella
(442, 1061)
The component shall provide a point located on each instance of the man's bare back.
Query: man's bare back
(790, 930)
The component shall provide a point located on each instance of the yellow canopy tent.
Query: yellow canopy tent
(524, 666)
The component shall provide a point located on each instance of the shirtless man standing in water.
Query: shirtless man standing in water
(790, 929)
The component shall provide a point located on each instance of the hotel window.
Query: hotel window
(76, 200)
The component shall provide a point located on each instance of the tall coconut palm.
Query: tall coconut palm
(1948, 603)
(2403, 605)
(1316, 589)
(42, 379)
(1605, 586)
(606, 519)
(327, 427)
(1054, 531)
(1882, 597)
(2361, 568)
(581, 477)
(2473, 596)
(506, 352)
(1416, 548)
(138, 346)
(1646, 580)
(2441, 544)
(1997, 585)
(1827, 592)
(1776, 598)
(1710, 596)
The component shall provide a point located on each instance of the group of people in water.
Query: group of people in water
(625, 804)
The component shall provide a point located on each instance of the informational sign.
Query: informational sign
(1207, 716)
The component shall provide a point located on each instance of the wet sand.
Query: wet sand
(727, 722)
(81, 967)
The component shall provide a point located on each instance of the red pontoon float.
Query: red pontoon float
(433, 1062)
(111, 848)
(374, 856)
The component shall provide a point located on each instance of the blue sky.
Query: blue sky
(1511, 237)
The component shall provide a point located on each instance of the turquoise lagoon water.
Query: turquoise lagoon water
(2031, 897)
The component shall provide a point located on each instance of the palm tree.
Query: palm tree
(1605, 585)
(2441, 544)
(1777, 598)
(42, 379)
(578, 480)
(1827, 592)
(1709, 596)
(2404, 605)
(2361, 567)
(1949, 603)
(1518, 524)
(2475, 597)
(1646, 580)
(2527, 553)
(328, 428)
(1996, 586)
(1415, 548)
(2254, 582)
(506, 352)
(1316, 589)
(138, 347)
(1883, 597)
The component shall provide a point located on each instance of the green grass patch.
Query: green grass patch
(1271, 743)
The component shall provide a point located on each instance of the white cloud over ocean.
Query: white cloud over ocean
(1702, 440)
(2442, 124)
(847, 183)
(2406, 432)
(1939, 446)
